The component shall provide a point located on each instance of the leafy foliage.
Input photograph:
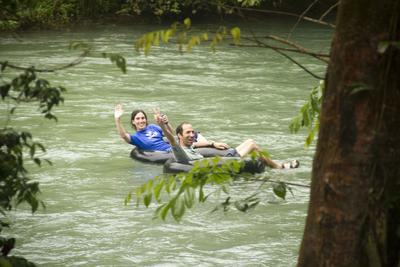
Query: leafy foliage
(51, 14)
(309, 114)
(23, 14)
(119, 60)
(54, 14)
(183, 37)
(14, 183)
(383, 46)
(186, 189)
(162, 8)
(15, 186)
(181, 188)
(28, 88)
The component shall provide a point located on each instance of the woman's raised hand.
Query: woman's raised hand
(118, 111)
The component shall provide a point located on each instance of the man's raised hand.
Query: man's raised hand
(157, 115)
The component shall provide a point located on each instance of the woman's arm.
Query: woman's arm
(118, 111)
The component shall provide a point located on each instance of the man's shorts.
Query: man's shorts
(231, 152)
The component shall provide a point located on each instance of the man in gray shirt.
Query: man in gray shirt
(184, 151)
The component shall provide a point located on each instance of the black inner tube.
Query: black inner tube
(160, 157)
(249, 166)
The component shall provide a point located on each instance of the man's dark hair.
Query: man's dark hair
(133, 115)
(179, 129)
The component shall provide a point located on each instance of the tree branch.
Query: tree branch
(283, 13)
(313, 54)
(290, 58)
(300, 65)
(299, 48)
(300, 18)
(71, 64)
(329, 10)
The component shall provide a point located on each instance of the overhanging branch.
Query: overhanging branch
(73, 63)
(318, 21)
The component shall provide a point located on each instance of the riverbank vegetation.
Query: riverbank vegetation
(48, 14)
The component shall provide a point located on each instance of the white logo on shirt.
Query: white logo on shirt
(151, 134)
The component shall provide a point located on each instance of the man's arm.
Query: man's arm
(203, 142)
(166, 130)
(118, 111)
(165, 120)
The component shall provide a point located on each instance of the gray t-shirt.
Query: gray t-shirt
(184, 154)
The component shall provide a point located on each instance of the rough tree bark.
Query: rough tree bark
(354, 216)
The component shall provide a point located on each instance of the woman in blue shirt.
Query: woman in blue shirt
(148, 137)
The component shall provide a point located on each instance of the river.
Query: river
(230, 95)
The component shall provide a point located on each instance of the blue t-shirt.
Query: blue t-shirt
(150, 139)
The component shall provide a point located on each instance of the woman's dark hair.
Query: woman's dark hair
(133, 115)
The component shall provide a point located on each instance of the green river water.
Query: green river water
(231, 95)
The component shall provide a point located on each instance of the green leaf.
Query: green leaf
(168, 34)
(254, 155)
(4, 89)
(241, 206)
(382, 46)
(235, 32)
(42, 148)
(32, 151)
(236, 166)
(309, 139)
(138, 194)
(164, 211)
(201, 194)
(215, 160)
(280, 189)
(189, 179)
(225, 189)
(309, 114)
(356, 88)
(128, 198)
(119, 60)
(157, 190)
(178, 209)
(37, 161)
(147, 199)
(295, 125)
(189, 197)
(265, 153)
(3, 65)
(156, 40)
(187, 22)
(34, 204)
(149, 186)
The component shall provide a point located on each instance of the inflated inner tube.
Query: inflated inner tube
(250, 166)
(209, 152)
(160, 157)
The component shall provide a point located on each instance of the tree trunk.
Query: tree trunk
(354, 211)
